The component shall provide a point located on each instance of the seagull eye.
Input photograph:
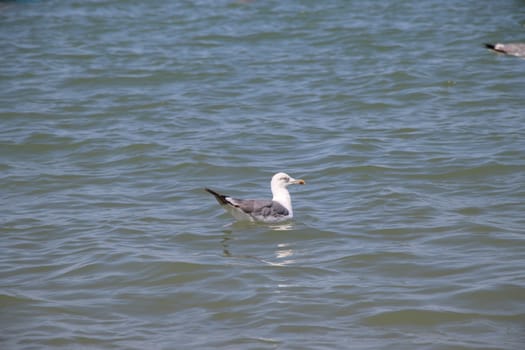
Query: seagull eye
(285, 178)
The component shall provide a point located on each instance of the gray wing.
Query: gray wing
(514, 49)
(258, 207)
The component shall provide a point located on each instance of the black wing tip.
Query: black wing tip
(493, 48)
(219, 197)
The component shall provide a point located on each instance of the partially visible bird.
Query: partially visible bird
(512, 49)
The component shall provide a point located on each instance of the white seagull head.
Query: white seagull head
(282, 180)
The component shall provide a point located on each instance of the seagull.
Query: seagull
(262, 210)
(512, 49)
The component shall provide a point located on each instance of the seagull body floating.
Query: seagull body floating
(278, 209)
(512, 49)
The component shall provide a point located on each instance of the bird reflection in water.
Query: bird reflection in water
(282, 255)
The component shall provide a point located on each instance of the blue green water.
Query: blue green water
(409, 232)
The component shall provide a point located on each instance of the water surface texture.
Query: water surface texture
(114, 115)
